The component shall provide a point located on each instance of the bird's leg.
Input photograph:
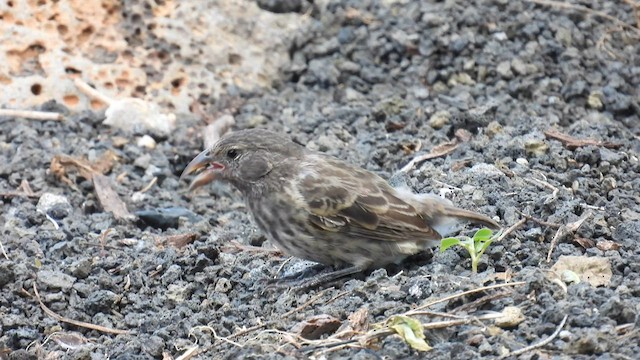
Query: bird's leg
(325, 278)
(298, 283)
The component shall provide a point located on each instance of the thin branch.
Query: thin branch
(149, 185)
(312, 300)
(572, 143)
(564, 230)
(539, 221)
(30, 114)
(438, 151)
(454, 296)
(511, 229)
(3, 251)
(92, 92)
(538, 345)
(75, 322)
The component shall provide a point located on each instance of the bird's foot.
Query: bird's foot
(301, 281)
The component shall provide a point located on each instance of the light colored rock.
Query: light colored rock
(439, 119)
(45, 44)
(48, 201)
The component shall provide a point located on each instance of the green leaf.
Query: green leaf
(468, 244)
(411, 331)
(484, 246)
(448, 242)
(482, 235)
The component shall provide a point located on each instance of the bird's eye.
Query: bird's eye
(232, 154)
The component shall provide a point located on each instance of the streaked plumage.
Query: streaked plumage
(316, 207)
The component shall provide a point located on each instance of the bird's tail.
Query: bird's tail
(449, 216)
(471, 216)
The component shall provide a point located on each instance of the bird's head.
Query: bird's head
(242, 158)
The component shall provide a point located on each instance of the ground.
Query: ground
(539, 104)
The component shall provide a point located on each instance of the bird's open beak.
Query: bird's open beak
(206, 168)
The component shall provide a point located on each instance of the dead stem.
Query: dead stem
(538, 345)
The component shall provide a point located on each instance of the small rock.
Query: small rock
(56, 206)
(536, 147)
(478, 197)
(421, 93)
(566, 335)
(609, 184)
(7, 274)
(154, 345)
(594, 100)
(131, 115)
(522, 161)
(81, 269)
(493, 128)
(142, 161)
(56, 279)
(512, 317)
(520, 67)
(504, 70)
(146, 141)
(100, 301)
(439, 119)
(178, 293)
(223, 285)
(610, 156)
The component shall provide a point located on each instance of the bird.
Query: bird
(319, 208)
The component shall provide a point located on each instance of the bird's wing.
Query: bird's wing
(344, 198)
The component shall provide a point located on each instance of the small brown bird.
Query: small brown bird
(316, 207)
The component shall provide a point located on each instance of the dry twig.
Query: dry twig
(75, 322)
(438, 151)
(454, 296)
(539, 221)
(538, 345)
(3, 251)
(511, 229)
(30, 114)
(311, 301)
(91, 92)
(565, 230)
(189, 353)
(149, 185)
(573, 143)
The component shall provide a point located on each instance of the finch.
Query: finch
(316, 207)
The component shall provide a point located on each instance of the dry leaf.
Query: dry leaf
(410, 330)
(584, 242)
(178, 241)
(69, 340)
(109, 199)
(316, 326)
(359, 320)
(606, 245)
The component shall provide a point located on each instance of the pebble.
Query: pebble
(55, 279)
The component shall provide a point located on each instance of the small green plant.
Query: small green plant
(476, 245)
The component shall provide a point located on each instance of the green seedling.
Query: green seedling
(476, 245)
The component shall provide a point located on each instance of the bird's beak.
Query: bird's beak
(207, 168)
